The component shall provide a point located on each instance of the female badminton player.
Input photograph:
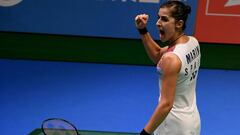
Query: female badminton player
(178, 65)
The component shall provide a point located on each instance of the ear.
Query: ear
(179, 24)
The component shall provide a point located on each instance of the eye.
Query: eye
(164, 18)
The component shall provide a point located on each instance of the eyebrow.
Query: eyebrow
(165, 16)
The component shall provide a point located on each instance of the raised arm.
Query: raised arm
(153, 50)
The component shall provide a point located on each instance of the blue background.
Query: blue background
(98, 18)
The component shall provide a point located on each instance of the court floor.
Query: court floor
(105, 97)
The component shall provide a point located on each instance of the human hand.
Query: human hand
(141, 21)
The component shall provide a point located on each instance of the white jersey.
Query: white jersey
(184, 119)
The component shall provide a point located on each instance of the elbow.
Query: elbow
(156, 57)
(167, 106)
(154, 60)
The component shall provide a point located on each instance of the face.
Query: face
(166, 24)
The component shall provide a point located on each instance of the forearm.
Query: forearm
(151, 47)
(158, 116)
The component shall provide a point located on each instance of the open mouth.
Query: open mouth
(162, 35)
(161, 32)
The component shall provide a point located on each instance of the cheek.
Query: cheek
(170, 30)
(170, 27)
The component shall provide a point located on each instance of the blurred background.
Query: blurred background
(87, 48)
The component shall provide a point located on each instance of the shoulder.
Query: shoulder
(171, 63)
(193, 38)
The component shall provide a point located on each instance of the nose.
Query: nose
(159, 23)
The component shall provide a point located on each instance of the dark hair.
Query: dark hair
(180, 11)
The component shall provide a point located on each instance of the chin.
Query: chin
(163, 39)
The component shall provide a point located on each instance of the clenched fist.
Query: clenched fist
(141, 21)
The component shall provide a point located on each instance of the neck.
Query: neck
(171, 43)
